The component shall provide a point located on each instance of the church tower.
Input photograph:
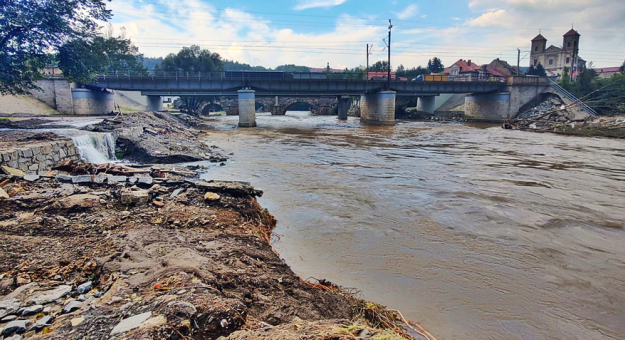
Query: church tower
(570, 46)
(539, 45)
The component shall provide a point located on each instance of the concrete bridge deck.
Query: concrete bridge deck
(292, 84)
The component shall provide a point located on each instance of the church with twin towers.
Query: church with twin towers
(554, 59)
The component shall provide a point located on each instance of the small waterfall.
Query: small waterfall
(96, 148)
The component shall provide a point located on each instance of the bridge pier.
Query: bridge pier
(491, 107)
(378, 108)
(344, 102)
(247, 108)
(426, 104)
(155, 103)
(276, 109)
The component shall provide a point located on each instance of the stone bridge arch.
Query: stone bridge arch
(279, 105)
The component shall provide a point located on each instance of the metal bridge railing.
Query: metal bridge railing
(262, 75)
(574, 100)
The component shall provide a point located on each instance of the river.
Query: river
(474, 232)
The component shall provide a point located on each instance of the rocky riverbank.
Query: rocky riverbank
(552, 115)
(110, 251)
(158, 258)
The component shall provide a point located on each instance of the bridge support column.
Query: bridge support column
(491, 107)
(344, 102)
(378, 108)
(276, 109)
(426, 104)
(155, 103)
(247, 108)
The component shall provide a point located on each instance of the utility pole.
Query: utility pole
(390, 26)
(518, 63)
(368, 54)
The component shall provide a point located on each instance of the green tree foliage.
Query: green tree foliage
(152, 63)
(81, 60)
(380, 66)
(355, 73)
(539, 70)
(435, 65)
(192, 59)
(31, 29)
(585, 83)
(231, 65)
(292, 68)
(411, 73)
(622, 69)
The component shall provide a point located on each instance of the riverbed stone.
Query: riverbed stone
(130, 323)
(31, 178)
(12, 171)
(64, 178)
(81, 179)
(84, 288)
(45, 297)
(9, 306)
(8, 318)
(72, 306)
(117, 179)
(42, 323)
(33, 167)
(36, 309)
(17, 326)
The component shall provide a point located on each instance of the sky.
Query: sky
(317, 32)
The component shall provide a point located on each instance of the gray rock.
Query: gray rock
(126, 306)
(15, 337)
(99, 179)
(132, 180)
(45, 297)
(230, 187)
(18, 326)
(9, 318)
(9, 306)
(81, 298)
(31, 178)
(42, 323)
(176, 193)
(117, 179)
(81, 179)
(84, 288)
(145, 180)
(72, 306)
(130, 323)
(63, 178)
(36, 309)
(183, 308)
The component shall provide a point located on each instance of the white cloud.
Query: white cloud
(306, 4)
(456, 18)
(409, 12)
(424, 16)
(494, 18)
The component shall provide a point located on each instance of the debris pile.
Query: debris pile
(139, 256)
(154, 137)
(552, 115)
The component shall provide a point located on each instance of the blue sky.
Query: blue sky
(315, 32)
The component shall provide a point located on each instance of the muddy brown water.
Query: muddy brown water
(473, 231)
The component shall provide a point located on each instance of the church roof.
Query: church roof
(539, 38)
(571, 32)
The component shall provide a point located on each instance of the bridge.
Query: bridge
(485, 100)
(377, 96)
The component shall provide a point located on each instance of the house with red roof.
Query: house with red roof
(607, 72)
(466, 70)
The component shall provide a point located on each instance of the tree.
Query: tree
(192, 59)
(622, 69)
(292, 68)
(412, 73)
(435, 65)
(380, 66)
(539, 70)
(82, 60)
(585, 83)
(31, 29)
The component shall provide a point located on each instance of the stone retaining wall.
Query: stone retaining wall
(39, 157)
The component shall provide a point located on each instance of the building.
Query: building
(466, 70)
(555, 59)
(381, 75)
(607, 72)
